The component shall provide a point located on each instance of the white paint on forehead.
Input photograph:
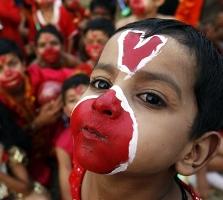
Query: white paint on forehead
(133, 142)
(142, 42)
(84, 99)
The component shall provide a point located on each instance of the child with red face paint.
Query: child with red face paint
(72, 90)
(142, 9)
(95, 35)
(17, 93)
(153, 110)
(52, 12)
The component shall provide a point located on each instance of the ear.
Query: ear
(159, 3)
(197, 153)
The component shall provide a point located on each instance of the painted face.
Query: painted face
(138, 7)
(49, 48)
(11, 72)
(94, 43)
(117, 141)
(131, 112)
(72, 96)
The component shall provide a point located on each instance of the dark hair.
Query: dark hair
(208, 87)
(73, 82)
(10, 133)
(102, 24)
(49, 29)
(110, 6)
(9, 46)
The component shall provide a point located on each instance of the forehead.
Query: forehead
(170, 52)
(46, 37)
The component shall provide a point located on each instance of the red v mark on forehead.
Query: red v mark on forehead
(135, 51)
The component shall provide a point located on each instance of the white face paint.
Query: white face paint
(133, 143)
(137, 50)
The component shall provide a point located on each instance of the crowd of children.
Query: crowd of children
(48, 53)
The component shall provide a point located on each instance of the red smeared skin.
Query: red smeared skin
(12, 79)
(51, 55)
(138, 7)
(132, 57)
(3, 60)
(94, 50)
(102, 131)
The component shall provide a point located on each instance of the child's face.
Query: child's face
(142, 7)
(72, 96)
(94, 43)
(12, 72)
(137, 114)
(48, 48)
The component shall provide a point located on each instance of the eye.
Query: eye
(152, 99)
(100, 84)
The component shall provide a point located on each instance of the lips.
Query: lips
(92, 133)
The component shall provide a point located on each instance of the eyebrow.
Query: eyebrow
(145, 76)
(106, 67)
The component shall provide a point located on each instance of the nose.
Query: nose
(108, 104)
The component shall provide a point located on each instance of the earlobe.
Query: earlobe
(197, 153)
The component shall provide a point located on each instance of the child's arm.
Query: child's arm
(64, 164)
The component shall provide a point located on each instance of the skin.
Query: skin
(95, 38)
(161, 96)
(11, 73)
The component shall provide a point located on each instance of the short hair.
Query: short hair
(110, 6)
(49, 29)
(73, 82)
(208, 87)
(9, 46)
(102, 24)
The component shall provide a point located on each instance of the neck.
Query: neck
(105, 187)
(149, 15)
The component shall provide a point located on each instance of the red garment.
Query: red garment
(64, 24)
(77, 176)
(38, 75)
(65, 141)
(10, 19)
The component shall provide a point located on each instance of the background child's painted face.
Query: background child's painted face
(94, 43)
(11, 72)
(72, 96)
(160, 95)
(49, 48)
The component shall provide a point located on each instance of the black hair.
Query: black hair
(102, 24)
(49, 29)
(9, 46)
(73, 82)
(110, 6)
(208, 87)
(10, 133)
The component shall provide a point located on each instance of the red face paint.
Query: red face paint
(51, 55)
(3, 60)
(137, 51)
(94, 51)
(102, 131)
(11, 79)
(49, 91)
(138, 7)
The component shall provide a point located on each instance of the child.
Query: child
(153, 110)
(142, 9)
(72, 90)
(94, 37)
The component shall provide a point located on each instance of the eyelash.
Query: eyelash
(100, 80)
(152, 95)
(149, 97)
